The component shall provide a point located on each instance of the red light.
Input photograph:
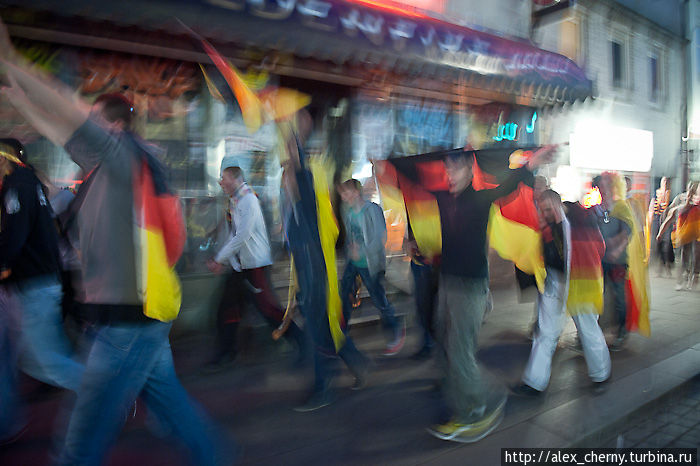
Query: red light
(407, 10)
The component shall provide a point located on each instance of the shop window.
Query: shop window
(617, 67)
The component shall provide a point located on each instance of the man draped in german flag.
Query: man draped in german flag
(685, 212)
(573, 248)
(311, 233)
(450, 185)
(624, 268)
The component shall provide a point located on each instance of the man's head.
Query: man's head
(115, 108)
(459, 171)
(606, 185)
(231, 179)
(550, 206)
(350, 191)
(665, 183)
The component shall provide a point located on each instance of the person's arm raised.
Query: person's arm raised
(61, 116)
(58, 110)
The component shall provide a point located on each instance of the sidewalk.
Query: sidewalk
(385, 423)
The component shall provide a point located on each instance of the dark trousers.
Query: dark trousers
(615, 276)
(239, 289)
(376, 293)
(311, 300)
(425, 289)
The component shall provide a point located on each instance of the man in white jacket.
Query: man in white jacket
(247, 252)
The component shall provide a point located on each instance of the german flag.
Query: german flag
(159, 238)
(513, 224)
(269, 104)
(687, 227)
(637, 283)
(586, 270)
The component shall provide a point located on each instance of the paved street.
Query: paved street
(385, 423)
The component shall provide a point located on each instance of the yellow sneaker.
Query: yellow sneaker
(472, 432)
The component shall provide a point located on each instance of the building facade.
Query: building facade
(634, 123)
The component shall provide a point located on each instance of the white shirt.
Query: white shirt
(248, 246)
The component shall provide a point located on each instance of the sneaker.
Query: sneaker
(316, 401)
(679, 287)
(598, 388)
(360, 377)
(525, 390)
(619, 342)
(472, 432)
(360, 383)
(393, 348)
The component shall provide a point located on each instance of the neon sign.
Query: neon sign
(531, 126)
(510, 131)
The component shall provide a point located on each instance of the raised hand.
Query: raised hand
(543, 156)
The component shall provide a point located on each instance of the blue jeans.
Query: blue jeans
(11, 408)
(127, 361)
(425, 289)
(376, 293)
(46, 353)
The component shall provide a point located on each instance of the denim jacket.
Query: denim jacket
(374, 235)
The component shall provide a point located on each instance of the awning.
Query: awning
(350, 34)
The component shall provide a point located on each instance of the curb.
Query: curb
(666, 380)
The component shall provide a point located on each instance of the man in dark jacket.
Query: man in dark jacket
(29, 267)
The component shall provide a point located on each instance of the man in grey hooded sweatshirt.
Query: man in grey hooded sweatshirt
(366, 236)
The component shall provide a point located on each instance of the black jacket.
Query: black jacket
(28, 236)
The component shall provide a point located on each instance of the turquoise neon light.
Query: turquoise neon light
(509, 132)
(531, 127)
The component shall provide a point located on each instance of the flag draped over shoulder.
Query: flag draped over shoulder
(328, 234)
(637, 283)
(687, 227)
(159, 238)
(586, 270)
(513, 226)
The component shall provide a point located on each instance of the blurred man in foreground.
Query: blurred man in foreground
(131, 354)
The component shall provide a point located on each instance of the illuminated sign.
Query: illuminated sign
(600, 146)
(510, 131)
